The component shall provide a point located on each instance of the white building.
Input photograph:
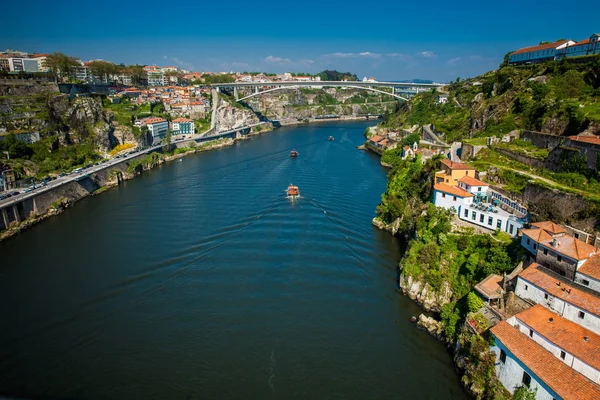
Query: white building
(523, 362)
(589, 273)
(549, 245)
(448, 197)
(491, 217)
(157, 127)
(539, 53)
(573, 302)
(577, 347)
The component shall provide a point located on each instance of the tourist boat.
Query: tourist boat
(330, 137)
(292, 191)
(294, 153)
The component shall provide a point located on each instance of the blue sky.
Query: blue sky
(389, 40)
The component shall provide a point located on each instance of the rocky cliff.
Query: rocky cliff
(423, 294)
(38, 107)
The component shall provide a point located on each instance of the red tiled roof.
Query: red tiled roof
(536, 275)
(538, 235)
(591, 267)
(456, 165)
(540, 47)
(549, 227)
(586, 139)
(565, 334)
(570, 247)
(152, 120)
(472, 181)
(565, 381)
(376, 139)
(453, 190)
(490, 286)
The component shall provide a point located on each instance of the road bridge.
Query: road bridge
(265, 87)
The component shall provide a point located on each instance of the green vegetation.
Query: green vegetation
(556, 96)
(334, 75)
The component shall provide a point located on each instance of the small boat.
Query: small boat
(292, 191)
(294, 153)
(330, 137)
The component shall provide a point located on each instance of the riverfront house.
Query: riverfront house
(523, 362)
(183, 126)
(157, 127)
(456, 187)
(549, 245)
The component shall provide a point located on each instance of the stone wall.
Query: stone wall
(72, 192)
(543, 140)
(531, 161)
(469, 151)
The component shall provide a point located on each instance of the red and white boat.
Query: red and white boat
(292, 191)
(294, 153)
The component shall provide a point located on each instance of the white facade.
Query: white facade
(578, 365)
(578, 315)
(474, 189)
(447, 201)
(588, 281)
(529, 244)
(510, 373)
(491, 219)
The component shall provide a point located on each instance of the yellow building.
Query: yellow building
(452, 172)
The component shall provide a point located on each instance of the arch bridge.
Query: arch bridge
(266, 87)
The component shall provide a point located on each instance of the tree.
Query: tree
(61, 65)
(138, 75)
(329, 75)
(474, 302)
(166, 142)
(102, 69)
(525, 393)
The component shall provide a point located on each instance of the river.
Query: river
(201, 280)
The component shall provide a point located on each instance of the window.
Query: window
(490, 221)
(581, 315)
(576, 235)
(531, 333)
(467, 173)
(546, 296)
(526, 379)
(562, 355)
(443, 195)
(481, 218)
(526, 287)
(558, 258)
(499, 224)
(585, 282)
(510, 230)
(528, 241)
(535, 246)
(502, 356)
(545, 252)
(474, 216)
(466, 212)
(479, 189)
(454, 198)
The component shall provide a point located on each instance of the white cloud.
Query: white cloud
(306, 61)
(427, 54)
(277, 60)
(369, 54)
(453, 61)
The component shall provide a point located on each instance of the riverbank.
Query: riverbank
(99, 183)
(114, 178)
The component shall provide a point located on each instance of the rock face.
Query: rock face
(424, 295)
(39, 107)
(432, 326)
(392, 228)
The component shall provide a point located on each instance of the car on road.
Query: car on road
(15, 193)
(29, 189)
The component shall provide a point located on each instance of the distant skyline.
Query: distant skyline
(386, 40)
